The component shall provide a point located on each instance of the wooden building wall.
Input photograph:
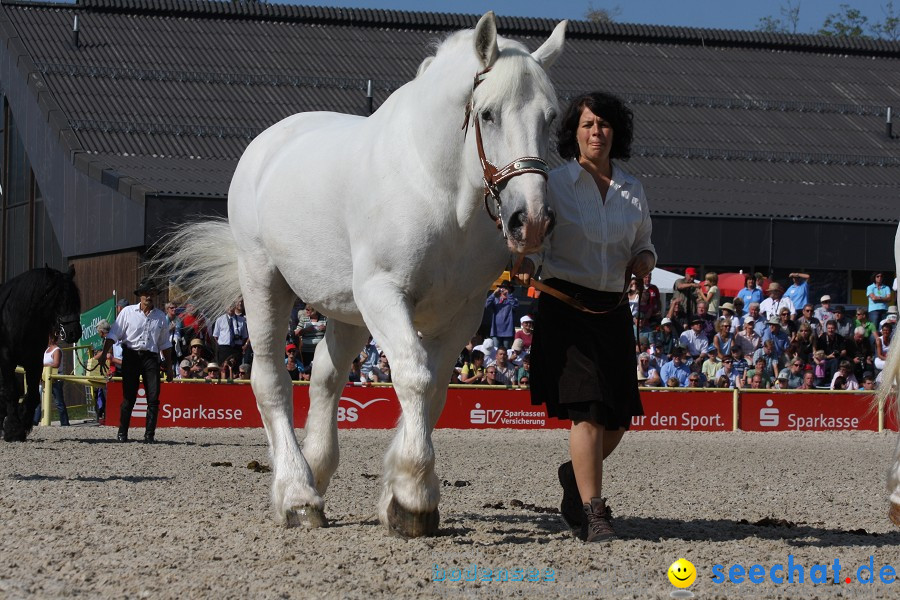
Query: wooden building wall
(98, 276)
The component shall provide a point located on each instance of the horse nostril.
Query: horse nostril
(517, 220)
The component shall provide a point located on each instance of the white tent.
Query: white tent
(664, 280)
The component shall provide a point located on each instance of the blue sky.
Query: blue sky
(721, 14)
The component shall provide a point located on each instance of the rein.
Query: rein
(494, 179)
(570, 300)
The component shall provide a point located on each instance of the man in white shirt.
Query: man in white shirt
(693, 340)
(771, 306)
(143, 334)
(230, 333)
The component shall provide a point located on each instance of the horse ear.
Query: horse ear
(486, 39)
(552, 48)
(425, 64)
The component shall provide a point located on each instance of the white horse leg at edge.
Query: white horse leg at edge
(380, 223)
(887, 392)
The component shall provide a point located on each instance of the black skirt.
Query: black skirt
(583, 366)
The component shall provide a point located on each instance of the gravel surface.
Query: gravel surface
(187, 518)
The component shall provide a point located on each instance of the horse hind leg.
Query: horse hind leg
(19, 406)
(333, 357)
(268, 300)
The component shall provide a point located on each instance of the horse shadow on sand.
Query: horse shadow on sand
(518, 528)
(104, 479)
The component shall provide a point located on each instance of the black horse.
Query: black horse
(32, 305)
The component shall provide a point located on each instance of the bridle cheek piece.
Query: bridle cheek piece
(494, 179)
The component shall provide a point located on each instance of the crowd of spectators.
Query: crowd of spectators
(775, 339)
(778, 339)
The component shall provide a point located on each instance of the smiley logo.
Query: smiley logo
(682, 573)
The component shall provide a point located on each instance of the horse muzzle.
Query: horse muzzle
(70, 329)
(528, 234)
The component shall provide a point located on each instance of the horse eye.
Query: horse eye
(486, 115)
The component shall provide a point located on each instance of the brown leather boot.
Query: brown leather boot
(571, 507)
(597, 526)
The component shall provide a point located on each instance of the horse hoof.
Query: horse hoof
(309, 517)
(894, 514)
(407, 524)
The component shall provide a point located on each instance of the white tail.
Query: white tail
(201, 259)
(890, 381)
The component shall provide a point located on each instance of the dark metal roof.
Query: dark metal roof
(168, 93)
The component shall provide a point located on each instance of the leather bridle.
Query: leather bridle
(494, 179)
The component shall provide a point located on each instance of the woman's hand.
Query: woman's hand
(641, 264)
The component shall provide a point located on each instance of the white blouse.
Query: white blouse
(138, 331)
(593, 241)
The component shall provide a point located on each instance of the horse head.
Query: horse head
(512, 107)
(67, 306)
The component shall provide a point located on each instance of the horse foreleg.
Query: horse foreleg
(333, 357)
(268, 300)
(21, 404)
(410, 490)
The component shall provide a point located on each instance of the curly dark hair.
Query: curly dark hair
(602, 104)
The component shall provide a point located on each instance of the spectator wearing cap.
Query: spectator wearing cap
(807, 316)
(729, 313)
(879, 295)
(777, 335)
(694, 340)
(824, 312)
(712, 364)
(184, 369)
(516, 353)
(500, 306)
(771, 306)
(213, 372)
(488, 349)
(646, 373)
(291, 351)
(833, 346)
(728, 373)
(747, 338)
(663, 339)
(293, 365)
(798, 291)
(844, 325)
(686, 291)
(750, 292)
(889, 317)
(526, 332)
(197, 359)
(675, 368)
(845, 370)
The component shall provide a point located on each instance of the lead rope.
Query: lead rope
(573, 302)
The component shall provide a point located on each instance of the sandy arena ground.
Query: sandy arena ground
(185, 518)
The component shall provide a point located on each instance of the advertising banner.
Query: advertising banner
(686, 411)
(200, 404)
(807, 412)
(89, 336)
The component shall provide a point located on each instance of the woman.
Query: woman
(878, 295)
(806, 343)
(584, 366)
(311, 331)
(788, 325)
(53, 360)
(723, 339)
(883, 345)
(709, 292)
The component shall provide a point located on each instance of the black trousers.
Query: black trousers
(135, 365)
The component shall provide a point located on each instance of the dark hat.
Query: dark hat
(146, 287)
(696, 319)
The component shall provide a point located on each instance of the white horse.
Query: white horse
(380, 224)
(890, 382)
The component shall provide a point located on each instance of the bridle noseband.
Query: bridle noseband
(494, 179)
